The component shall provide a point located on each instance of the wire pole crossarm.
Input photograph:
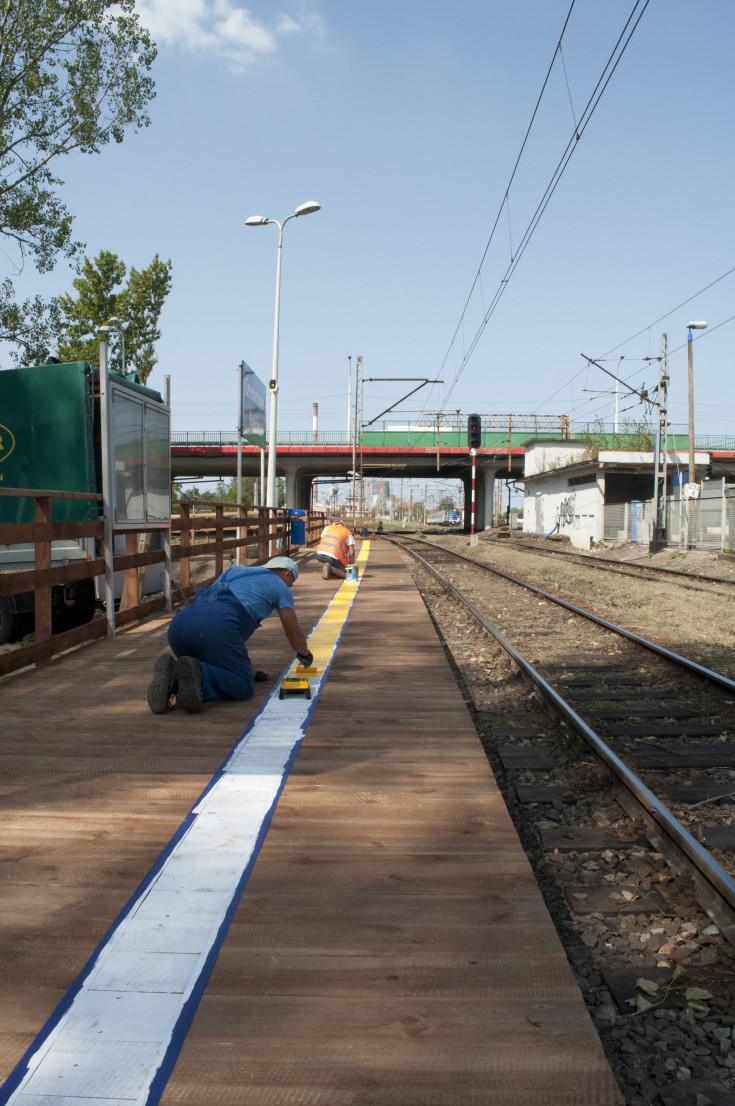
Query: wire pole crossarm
(423, 384)
(641, 393)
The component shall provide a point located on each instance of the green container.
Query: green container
(46, 439)
(50, 436)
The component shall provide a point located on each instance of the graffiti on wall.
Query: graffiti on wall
(567, 511)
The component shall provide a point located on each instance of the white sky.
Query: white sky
(403, 119)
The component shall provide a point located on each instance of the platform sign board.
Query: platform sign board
(252, 410)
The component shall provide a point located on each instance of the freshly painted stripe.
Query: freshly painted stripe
(115, 1037)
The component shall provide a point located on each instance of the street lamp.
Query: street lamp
(691, 327)
(262, 221)
(120, 327)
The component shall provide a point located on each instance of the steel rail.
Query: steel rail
(718, 882)
(628, 568)
(699, 669)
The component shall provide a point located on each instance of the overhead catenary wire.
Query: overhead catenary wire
(644, 330)
(510, 182)
(609, 69)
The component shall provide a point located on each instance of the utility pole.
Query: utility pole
(354, 442)
(658, 538)
(349, 398)
(362, 386)
(693, 487)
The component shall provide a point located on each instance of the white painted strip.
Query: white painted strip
(115, 1038)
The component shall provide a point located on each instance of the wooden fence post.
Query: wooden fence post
(263, 531)
(130, 588)
(184, 544)
(219, 534)
(42, 560)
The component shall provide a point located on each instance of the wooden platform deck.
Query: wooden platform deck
(391, 946)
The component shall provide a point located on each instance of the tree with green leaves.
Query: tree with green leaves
(32, 326)
(74, 75)
(101, 296)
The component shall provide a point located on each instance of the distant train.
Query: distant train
(444, 518)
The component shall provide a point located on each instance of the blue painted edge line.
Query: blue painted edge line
(181, 1027)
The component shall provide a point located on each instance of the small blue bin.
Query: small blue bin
(298, 526)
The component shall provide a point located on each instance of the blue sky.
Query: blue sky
(403, 119)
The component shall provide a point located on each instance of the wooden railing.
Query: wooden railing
(225, 535)
(42, 577)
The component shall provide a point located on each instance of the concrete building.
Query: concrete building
(610, 497)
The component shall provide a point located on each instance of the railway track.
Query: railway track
(662, 726)
(692, 581)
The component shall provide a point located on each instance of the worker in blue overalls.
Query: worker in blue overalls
(208, 637)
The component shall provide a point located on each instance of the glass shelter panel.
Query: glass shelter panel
(158, 464)
(127, 415)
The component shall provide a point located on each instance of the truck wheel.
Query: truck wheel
(11, 627)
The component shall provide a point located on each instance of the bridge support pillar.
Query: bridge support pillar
(488, 506)
(298, 489)
(484, 497)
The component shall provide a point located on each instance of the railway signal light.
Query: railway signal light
(474, 431)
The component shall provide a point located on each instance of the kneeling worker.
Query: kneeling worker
(336, 550)
(208, 637)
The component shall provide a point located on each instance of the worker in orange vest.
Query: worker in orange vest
(336, 550)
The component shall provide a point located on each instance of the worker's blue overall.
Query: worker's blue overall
(214, 628)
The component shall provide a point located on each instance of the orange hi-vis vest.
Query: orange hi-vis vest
(334, 542)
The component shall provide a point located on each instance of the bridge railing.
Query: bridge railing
(386, 434)
(224, 533)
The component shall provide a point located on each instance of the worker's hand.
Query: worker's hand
(305, 659)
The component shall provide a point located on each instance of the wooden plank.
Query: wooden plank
(695, 793)
(54, 494)
(16, 659)
(12, 583)
(719, 837)
(21, 533)
(518, 757)
(42, 592)
(681, 755)
(585, 839)
(645, 712)
(675, 729)
(391, 945)
(602, 900)
(546, 796)
(612, 694)
(129, 597)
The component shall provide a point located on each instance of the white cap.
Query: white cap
(286, 563)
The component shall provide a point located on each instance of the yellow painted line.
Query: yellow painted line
(323, 638)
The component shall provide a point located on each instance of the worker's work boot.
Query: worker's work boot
(326, 571)
(189, 684)
(162, 688)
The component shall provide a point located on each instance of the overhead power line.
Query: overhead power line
(611, 65)
(645, 329)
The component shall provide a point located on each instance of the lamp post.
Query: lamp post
(262, 221)
(120, 327)
(690, 358)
